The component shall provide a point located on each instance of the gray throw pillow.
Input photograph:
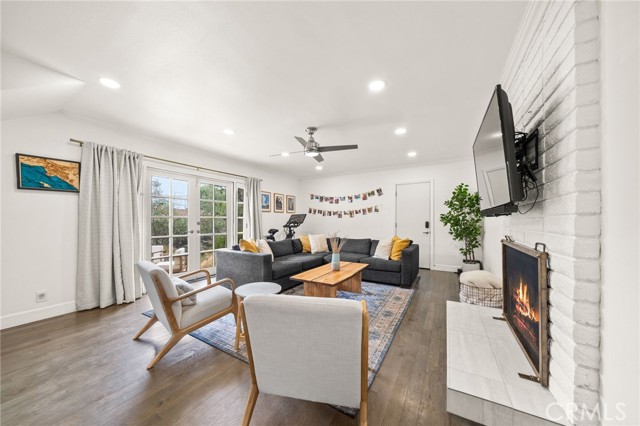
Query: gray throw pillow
(183, 287)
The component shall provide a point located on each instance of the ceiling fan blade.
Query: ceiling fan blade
(302, 141)
(336, 148)
(319, 158)
(290, 153)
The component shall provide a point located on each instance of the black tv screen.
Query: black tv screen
(499, 181)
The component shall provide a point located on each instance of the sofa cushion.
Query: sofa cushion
(361, 246)
(378, 264)
(282, 269)
(297, 246)
(374, 245)
(346, 257)
(281, 248)
(308, 260)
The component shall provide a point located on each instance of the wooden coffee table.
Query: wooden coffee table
(323, 282)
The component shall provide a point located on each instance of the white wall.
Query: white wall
(620, 296)
(39, 229)
(552, 78)
(445, 176)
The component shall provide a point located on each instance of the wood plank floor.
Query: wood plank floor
(84, 369)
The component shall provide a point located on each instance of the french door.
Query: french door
(189, 217)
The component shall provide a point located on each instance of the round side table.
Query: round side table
(247, 290)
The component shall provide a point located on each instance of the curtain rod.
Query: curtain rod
(79, 142)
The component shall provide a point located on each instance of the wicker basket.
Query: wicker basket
(491, 297)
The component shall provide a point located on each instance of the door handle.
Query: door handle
(191, 231)
(426, 232)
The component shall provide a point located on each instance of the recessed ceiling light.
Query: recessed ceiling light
(229, 132)
(377, 85)
(411, 154)
(285, 154)
(400, 131)
(318, 167)
(107, 82)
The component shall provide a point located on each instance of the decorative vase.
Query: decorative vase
(335, 261)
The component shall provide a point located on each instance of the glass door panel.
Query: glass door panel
(170, 223)
(213, 221)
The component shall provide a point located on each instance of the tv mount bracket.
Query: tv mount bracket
(522, 142)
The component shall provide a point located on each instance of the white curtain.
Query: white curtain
(109, 231)
(254, 208)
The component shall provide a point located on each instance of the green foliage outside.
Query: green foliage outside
(464, 220)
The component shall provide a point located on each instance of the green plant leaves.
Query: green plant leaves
(463, 219)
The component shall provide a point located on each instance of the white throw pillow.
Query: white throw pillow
(318, 243)
(183, 287)
(383, 250)
(263, 247)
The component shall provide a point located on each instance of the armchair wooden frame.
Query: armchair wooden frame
(364, 371)
(178, 333)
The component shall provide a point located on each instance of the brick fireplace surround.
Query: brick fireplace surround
(552, 79)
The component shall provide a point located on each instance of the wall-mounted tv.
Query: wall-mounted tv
(499, 181)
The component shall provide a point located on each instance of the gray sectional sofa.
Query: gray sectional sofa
(289, 259)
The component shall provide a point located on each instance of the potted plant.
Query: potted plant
(465, 223)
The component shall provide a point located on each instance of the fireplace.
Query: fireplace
(525, 308)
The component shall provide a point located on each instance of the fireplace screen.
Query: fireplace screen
(525, 303)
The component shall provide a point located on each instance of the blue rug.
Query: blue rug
(387, 306)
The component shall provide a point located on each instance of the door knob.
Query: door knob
(191, 231)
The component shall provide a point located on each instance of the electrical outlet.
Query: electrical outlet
(41, 296)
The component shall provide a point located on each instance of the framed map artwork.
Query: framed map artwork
(47, 174)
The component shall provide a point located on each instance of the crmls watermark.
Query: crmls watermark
(556, 412)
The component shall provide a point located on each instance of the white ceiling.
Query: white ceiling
(268, 70)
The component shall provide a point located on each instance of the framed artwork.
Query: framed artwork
(278, 203)
(47, 174)
(291, 203)
(266, 201)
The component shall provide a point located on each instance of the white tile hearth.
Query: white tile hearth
(483, 362)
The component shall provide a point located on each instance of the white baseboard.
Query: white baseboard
(19, 318)
(446, 268)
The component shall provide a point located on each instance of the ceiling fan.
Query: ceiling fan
(313, 148)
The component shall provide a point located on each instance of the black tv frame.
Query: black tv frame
(514, 176)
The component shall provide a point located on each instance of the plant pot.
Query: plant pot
(335, 262)
(471, 265)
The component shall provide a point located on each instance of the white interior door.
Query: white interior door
(413, 217)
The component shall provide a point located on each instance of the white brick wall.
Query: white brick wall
(552, 78)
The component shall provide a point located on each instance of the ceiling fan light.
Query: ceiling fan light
(311, 153)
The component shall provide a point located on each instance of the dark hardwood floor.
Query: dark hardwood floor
(84, 369)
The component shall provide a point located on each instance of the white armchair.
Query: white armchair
(308, 348)
(214, 301)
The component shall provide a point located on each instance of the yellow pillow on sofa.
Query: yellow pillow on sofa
(248, 245)
(399, 244)
(306, 244)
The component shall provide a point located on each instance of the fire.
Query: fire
(523, 306)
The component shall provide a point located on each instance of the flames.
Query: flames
(523, 305)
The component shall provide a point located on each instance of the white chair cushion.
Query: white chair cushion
(318, 243)
(383, 249)
(306, 347)
(209, 302)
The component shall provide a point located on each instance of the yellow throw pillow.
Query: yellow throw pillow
(306, 244)
(248, 245)
(399, 244)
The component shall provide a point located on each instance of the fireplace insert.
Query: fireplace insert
(525, 306)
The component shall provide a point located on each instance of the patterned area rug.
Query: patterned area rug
(387, 306)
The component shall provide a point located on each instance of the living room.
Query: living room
(211, 94)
